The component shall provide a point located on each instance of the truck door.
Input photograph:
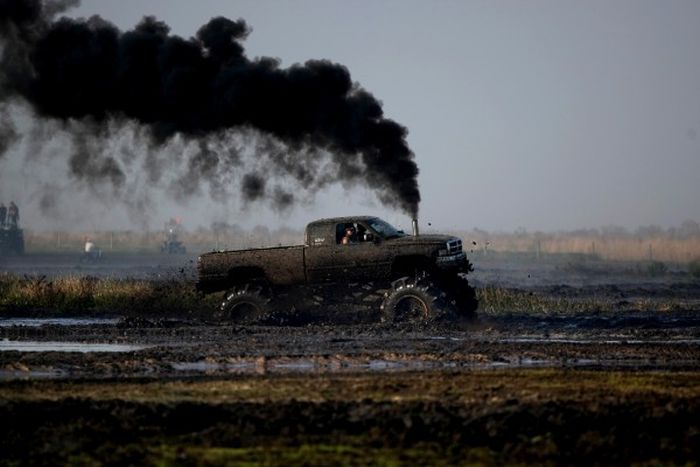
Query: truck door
(318, 256)
(360, 258)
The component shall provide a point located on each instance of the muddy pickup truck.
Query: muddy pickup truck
(424, 276)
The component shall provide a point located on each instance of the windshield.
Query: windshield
(384, 229)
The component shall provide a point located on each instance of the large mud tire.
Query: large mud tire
(414, 299)
(461, 295)
(245, 304)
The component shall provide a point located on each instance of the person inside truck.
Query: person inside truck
(349, 236)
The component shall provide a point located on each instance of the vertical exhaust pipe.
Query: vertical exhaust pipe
(414, 226)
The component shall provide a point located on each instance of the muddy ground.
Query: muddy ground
(613, 386)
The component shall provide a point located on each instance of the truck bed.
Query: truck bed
(281, 265)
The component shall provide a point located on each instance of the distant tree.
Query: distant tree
(225, 228)
(689, 228)
(585, 232)
(613, 231)
(652, 230)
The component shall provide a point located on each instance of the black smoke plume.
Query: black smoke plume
(91, 74)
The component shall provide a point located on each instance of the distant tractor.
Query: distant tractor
(11, 240)
(171, 244)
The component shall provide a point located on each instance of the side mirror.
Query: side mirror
(369, 237)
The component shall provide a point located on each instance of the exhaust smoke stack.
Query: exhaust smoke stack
(414, 226)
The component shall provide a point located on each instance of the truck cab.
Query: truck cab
(377, 250)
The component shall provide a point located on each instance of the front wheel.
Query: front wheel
(414, 300)
(461, 294)
(245, 304)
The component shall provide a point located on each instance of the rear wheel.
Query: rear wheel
(413, 299)
(246, 304)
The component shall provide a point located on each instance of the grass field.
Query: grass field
(88, 296)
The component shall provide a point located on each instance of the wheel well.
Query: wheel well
(245, 274)
(408, 265)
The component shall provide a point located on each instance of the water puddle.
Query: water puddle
(307, 366)
(540, 339)
(558, 340)
(80, 347)
(38, 322)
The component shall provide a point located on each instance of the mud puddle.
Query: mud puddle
(75, 347)
(621, 341)
(38, 322)
(311, 366)
(548, 339)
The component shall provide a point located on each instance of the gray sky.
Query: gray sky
(537, 114)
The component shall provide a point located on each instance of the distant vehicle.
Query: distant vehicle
(11, 240)
(92, 253)
(425, 274)
(171, 244)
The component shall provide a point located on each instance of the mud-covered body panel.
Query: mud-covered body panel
(324, 259)
(277, 265)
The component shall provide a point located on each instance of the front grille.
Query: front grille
(454, 246)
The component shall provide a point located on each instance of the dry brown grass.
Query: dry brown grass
(145, 241)
(606, 247)
(86, 295)
(613, 247)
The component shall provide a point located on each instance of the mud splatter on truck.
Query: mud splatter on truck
(425, 275)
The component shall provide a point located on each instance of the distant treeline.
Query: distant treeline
(653, 243)
(676, 244)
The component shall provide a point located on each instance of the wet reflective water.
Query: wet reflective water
(38, 322)
(305, 365)
(37, 346)
(560, 339)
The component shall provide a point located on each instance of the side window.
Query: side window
(350, 233)
(345, 233)
(361, 230)
(339, 233)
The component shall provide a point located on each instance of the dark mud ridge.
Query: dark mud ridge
(478, 418)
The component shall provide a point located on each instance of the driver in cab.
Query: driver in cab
(349, 236)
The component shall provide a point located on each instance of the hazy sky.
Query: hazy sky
(537, 114)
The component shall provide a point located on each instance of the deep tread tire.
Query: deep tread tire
(414, 299)
(245, 304)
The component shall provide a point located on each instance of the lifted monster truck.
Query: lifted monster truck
(425, 274)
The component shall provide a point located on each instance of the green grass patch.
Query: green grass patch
(499, 300)
(89, 295)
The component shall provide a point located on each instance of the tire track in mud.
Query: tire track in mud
(174, 348)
